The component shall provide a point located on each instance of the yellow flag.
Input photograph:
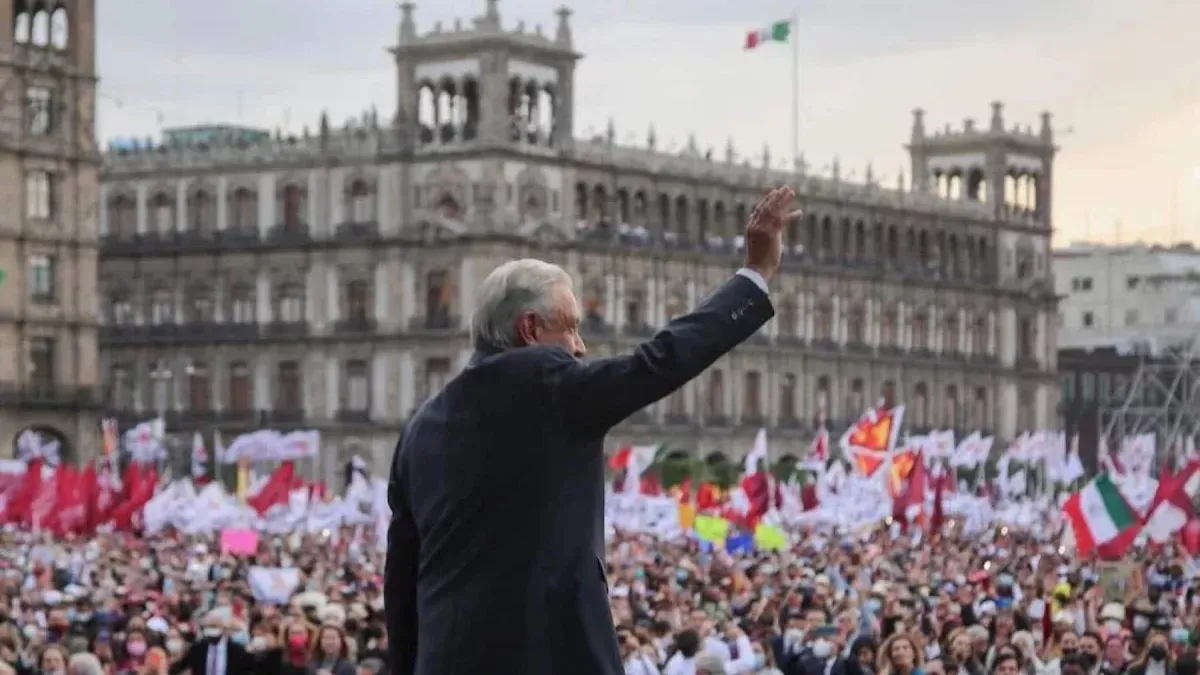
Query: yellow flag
(687, 516)
(769, 538)
(712, 529)
(243, 478)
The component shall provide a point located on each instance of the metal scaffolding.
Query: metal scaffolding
(1162, 398)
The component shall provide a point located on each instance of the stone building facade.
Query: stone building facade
(49, 188)
(327, 279)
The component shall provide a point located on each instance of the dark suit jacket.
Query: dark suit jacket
(495, 557)
(195, 661)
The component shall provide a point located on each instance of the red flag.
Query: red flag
(276, 490)
(19, 506)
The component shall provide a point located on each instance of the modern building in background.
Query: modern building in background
(1127, 292)
(326, 279)
(50, 185)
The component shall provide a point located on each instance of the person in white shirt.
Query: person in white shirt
(683, 662)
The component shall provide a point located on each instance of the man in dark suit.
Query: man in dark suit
(214, 653)
(496, 546)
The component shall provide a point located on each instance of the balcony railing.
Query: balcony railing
(286, 415)
(190, 417)
(434, 322)
(289, 235)
(286, 329)
(716, 420)
(677, 419)
(356, 326)
(354, 416)
(357, 232)
(753, 420)
(47, 396)
(859, 347)
(1027, 362)
(789, 423)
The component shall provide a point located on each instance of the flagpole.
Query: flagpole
(795, 89)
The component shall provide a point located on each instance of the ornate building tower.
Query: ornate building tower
(49, 178)
(1008, 173)
(474, 95)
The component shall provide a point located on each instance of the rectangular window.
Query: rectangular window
(42, 278)
(1131, 317)
(1132, 282)
(39, 195)
(357, 387)
(1067, 383)
(39, 111)
(1087, 387)
(1171, 316)
(1089, 320)
(41, 361)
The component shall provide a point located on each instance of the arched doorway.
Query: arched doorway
(720, 469)
(42, 441)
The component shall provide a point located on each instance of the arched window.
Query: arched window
(59, 29)
(921, 405)
(293, 201)
(242, 304)
(203, 211)
(163, 208)
(40, 32)
(288, 387)
(122, 216)
(243, 211)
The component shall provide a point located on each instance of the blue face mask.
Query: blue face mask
(760, 660)
(681, 575)
(240, 638)
(874, 605)
(1180, 635)
(639, 574)
(767, 591)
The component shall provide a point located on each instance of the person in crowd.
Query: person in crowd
(214, 653)
(330, 652)
(52, 661)
(899, 655)
(1155, 659)
(84, 664)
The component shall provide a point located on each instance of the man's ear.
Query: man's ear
(527, 328)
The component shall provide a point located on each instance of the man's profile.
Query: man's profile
(496, 546)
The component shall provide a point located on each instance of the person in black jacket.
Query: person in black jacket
(481, 572)
(214, 653)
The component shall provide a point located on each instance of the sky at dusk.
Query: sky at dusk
(1120, 77)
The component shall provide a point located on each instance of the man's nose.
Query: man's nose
(579, 348)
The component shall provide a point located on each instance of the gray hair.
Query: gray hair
(709, 664)
(516, 287)
(84, 664)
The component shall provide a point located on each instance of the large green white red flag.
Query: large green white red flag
(776, 31)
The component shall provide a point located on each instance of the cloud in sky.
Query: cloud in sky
(1117, 75)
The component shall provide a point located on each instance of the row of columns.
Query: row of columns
(328, 200)
(397, 380)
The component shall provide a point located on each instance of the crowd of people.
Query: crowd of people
(874, 604)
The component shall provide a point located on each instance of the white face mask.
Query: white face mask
(822, 649)
(175, 646)
(212, 633)
(1112, 626)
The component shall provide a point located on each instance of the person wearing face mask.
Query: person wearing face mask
(1155, 659)
(214, 654)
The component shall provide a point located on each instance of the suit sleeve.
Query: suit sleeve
(400, 577)
(599, 394)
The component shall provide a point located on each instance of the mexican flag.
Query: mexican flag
(779, 31)
(1098, 514)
